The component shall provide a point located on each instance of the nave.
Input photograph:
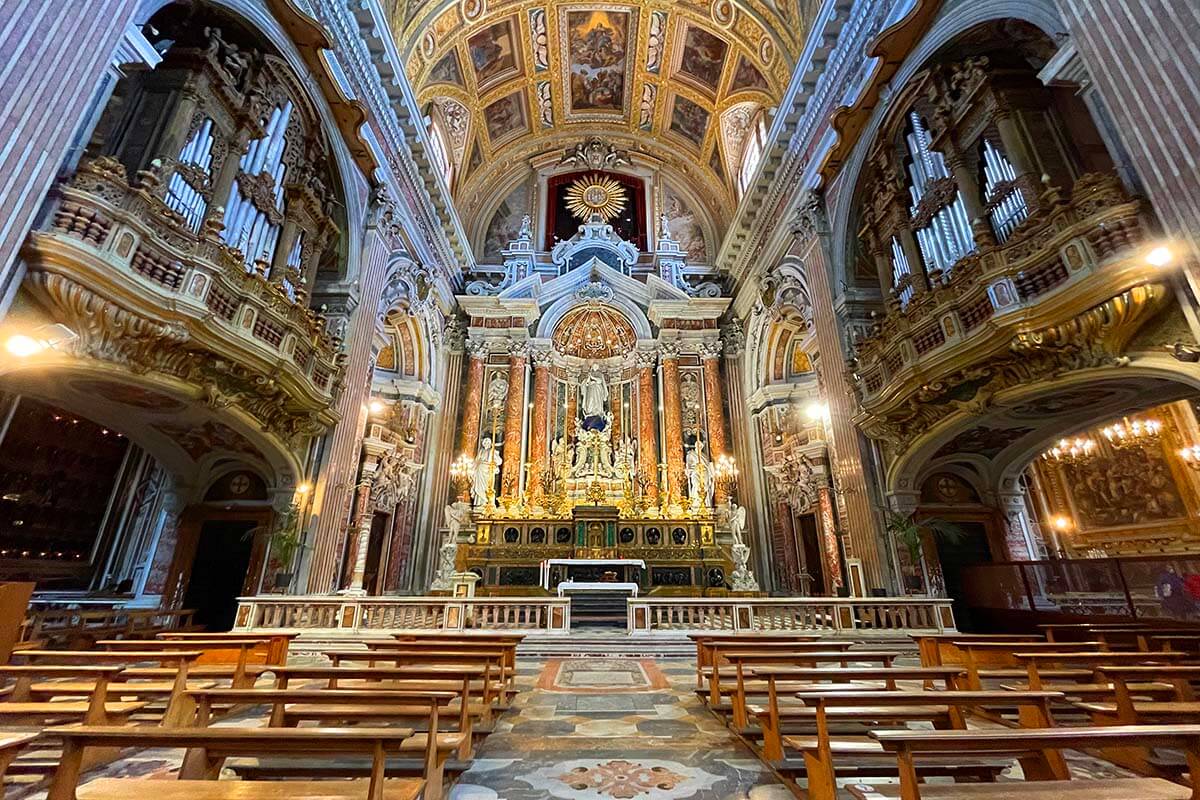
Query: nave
(1075, 710)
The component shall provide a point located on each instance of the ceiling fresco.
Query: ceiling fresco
(526, 78)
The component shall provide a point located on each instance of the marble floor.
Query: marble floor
(613, 729)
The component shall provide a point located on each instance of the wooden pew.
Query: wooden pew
(420, 709)
(940, 649)
(741, 659)
(81, 627)
(704, 645)
(278, 644)
(11, 745)
(225, 658)
(173, 664)
(995, 660)
(1036, 663)
(1036, 749)
(493, 660)
(473, 680)
(709, 653)
(822, 752)
(209, 747)
(22, 706)
(507, 643)
(774, 717)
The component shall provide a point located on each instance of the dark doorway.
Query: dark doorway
(379, 527)
(956, 555)
(219, 571)
(810, 540)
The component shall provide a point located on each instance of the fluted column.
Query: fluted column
(714, 407)
(853, 499)
(539, 424)
(333, 494)
(647, 429)
(672, 421)
(514, 416)
(468, 442)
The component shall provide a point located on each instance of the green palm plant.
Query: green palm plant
(909, 533)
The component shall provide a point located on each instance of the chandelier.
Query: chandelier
(1132, 432)
(595, 194)
(1070, 451)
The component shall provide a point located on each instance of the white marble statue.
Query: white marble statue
(498, 392)
(702, 484)
(486, 467)
(457, 515)
(593, 394)
(735, 517)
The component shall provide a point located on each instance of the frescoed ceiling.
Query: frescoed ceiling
(674, 82)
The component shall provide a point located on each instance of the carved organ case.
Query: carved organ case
(233, 143)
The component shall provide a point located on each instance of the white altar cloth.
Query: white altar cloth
(596, 586)
(602, 562)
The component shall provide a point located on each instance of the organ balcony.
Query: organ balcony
(1074, 253)
(126, 271)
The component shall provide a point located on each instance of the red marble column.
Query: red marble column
(468, 442)
(647, 429)
(673, 424)
(514, 414)
(714, 407)
(539, 424)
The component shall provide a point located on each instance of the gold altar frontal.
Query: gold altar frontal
(681, 554)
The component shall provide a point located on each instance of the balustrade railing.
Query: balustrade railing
(832, 615)
(325, 614)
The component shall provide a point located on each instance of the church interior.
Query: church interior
(522, 399)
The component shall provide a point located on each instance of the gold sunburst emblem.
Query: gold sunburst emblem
(595, 194)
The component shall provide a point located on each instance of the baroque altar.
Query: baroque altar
(594, 426)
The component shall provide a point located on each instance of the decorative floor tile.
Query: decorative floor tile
(587, 675)
(621, 779)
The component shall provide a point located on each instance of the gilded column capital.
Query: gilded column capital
(519, 348)
(668, 351)
(454, 334)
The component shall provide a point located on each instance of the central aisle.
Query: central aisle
(602, 728)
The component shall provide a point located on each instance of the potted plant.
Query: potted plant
(284, 540)
(909, 534)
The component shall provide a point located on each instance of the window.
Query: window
(947, 236)
(1000, 193)
(752, 152)
(441, 154)
(195, 162)
(247, 226)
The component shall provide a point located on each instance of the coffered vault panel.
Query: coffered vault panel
(524, 78)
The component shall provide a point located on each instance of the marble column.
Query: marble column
(672, 421)
(333, 493)
(714, 407)
(514, 415)
(539, 424)
(646, 427)
(468, 442)
(853, 499)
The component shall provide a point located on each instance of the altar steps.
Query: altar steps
(599, 609)
(591, 642)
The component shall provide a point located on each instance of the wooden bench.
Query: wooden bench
(996, 661)
(710, 654)
(420, 709)
(492, 660)
(508, 650)
(82, 627)
(23, 707)
(225, 658)
(741, 659)
(864, 756)
(1039, 750)
(173, 665)
(473, 681)
(940, 649)
(209, 747)
(11, 745)
(1036, 663)
(278, 644)
(705, 642)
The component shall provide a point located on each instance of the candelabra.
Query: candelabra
(460, 475)
(725, 472)
(1132, 432)
(1070, 451)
